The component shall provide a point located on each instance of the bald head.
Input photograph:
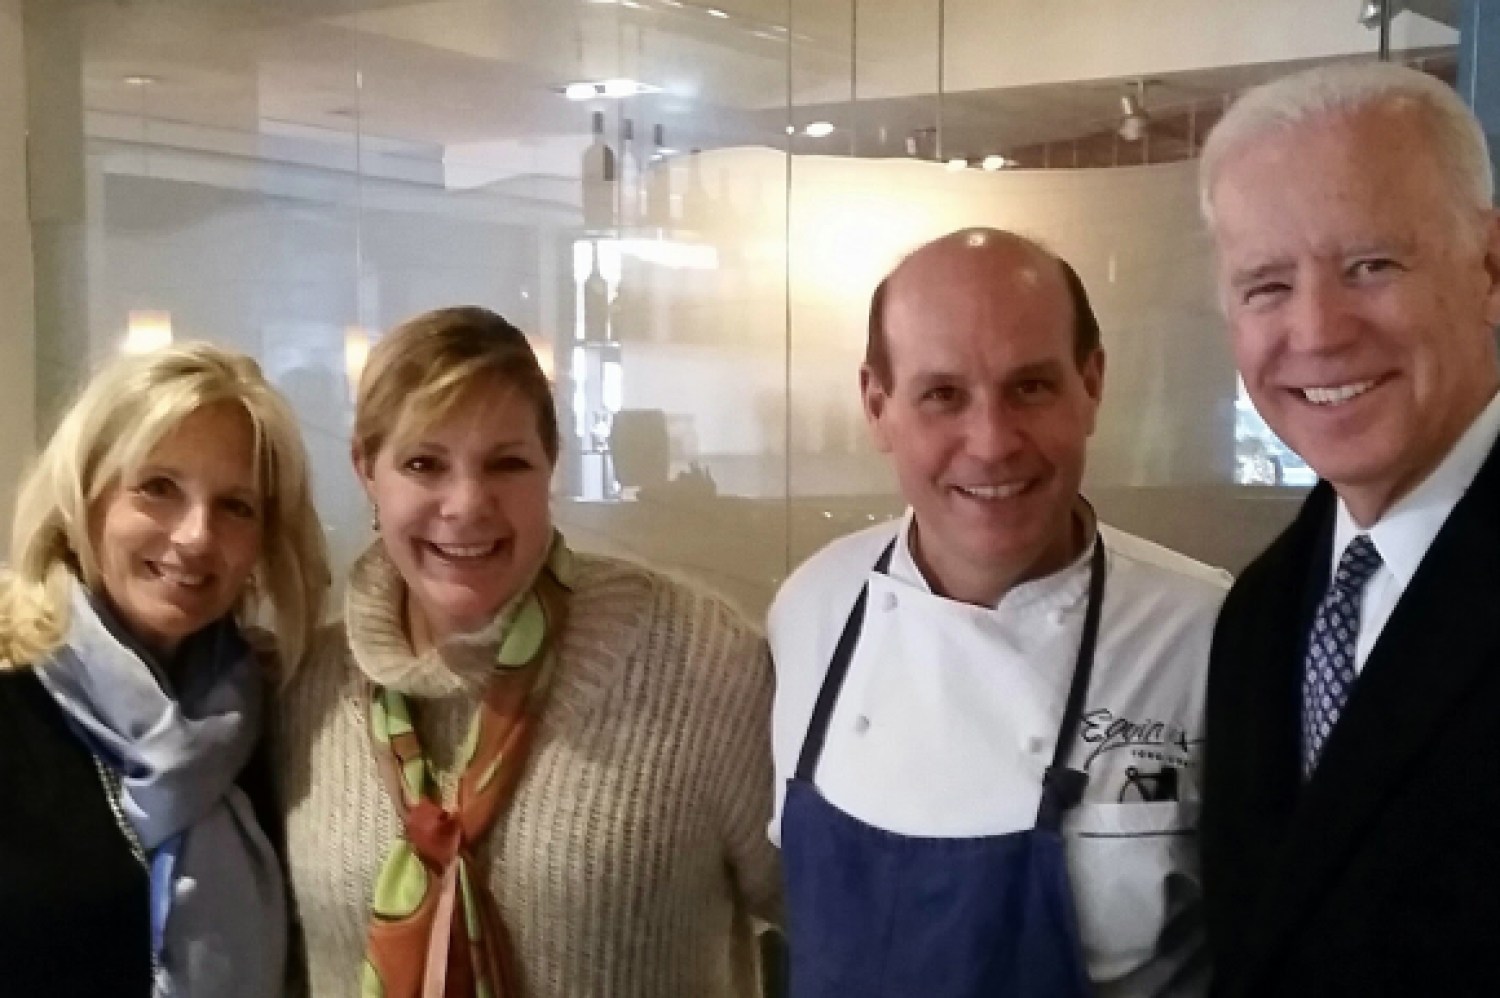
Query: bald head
(975, 268)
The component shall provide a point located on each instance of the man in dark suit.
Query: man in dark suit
(1351, 824)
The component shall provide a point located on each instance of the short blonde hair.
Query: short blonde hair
(120, 417)
(424, 367)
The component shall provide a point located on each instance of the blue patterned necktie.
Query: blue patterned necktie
(1329, 672)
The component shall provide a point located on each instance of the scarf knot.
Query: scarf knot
(436, 835)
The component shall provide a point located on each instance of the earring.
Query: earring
(374, 517)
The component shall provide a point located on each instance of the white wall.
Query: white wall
(992, 44)
(17, 329)
(723, 357)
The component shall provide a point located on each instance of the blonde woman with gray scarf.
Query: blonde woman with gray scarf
(136, 835)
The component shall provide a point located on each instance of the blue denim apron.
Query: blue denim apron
(874, 914)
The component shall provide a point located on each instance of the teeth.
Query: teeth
(993, 491)
(180, 578)
(1333, 396)
(466, 550)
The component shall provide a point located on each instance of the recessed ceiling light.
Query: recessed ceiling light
(818, 129)
(791, 129)
(616, 88)
(619, 88)
(714, 12)
(140, 80)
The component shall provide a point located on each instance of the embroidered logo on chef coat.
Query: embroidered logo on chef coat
(1143, 755)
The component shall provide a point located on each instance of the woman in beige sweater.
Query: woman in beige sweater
(526, 772)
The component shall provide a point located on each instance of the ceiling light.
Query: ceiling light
(1369, 14)
(619, 88)
(356, 353)
(140, 80)
(818, 130)
(714, 12)
(994, 162)
(791, 129)
(955, 164)
(615, 88)
(147, 329)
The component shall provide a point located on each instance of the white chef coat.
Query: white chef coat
(949, 714)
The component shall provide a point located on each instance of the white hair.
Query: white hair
(1458, 141)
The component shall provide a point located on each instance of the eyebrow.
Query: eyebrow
(519, 443)
(167, 470)
(1260, 272)
(1035, 369)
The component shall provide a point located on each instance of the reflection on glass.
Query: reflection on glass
(695, 252)
(1260, 458)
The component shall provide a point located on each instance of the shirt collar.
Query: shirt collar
(1407, 530)
(1058, 591)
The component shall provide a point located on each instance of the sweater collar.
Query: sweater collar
(610, 614)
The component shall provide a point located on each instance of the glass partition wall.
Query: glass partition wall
(686, 206)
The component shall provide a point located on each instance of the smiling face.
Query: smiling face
(1359, 298)
(988, 413)
(463, 510)
(177, 538)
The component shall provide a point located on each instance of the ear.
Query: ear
(875, 398)
(364, 468)
(1492, 267)
(1092, 373)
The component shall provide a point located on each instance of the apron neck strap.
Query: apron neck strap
(1062, 788)
(838, 668)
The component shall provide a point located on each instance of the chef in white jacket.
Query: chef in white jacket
(988, 721)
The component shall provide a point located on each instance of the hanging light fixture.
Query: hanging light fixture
(1133, 117)
(1371, 11)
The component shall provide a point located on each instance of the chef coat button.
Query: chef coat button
(889, 603)
(861, 724)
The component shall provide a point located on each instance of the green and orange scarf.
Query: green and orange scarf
(435, 929)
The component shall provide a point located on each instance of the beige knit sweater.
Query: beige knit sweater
(634, 852)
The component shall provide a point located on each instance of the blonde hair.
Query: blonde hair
(120, 417)
(424, 367)
(1458, 142)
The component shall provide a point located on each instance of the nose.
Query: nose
(193, 531)
(1321, 320)
(468, 496)
(992, 431)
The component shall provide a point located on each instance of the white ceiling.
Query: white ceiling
(442, 73)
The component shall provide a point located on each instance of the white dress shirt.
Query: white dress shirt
(1407, 530)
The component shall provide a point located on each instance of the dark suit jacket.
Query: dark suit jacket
(1381, 876)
